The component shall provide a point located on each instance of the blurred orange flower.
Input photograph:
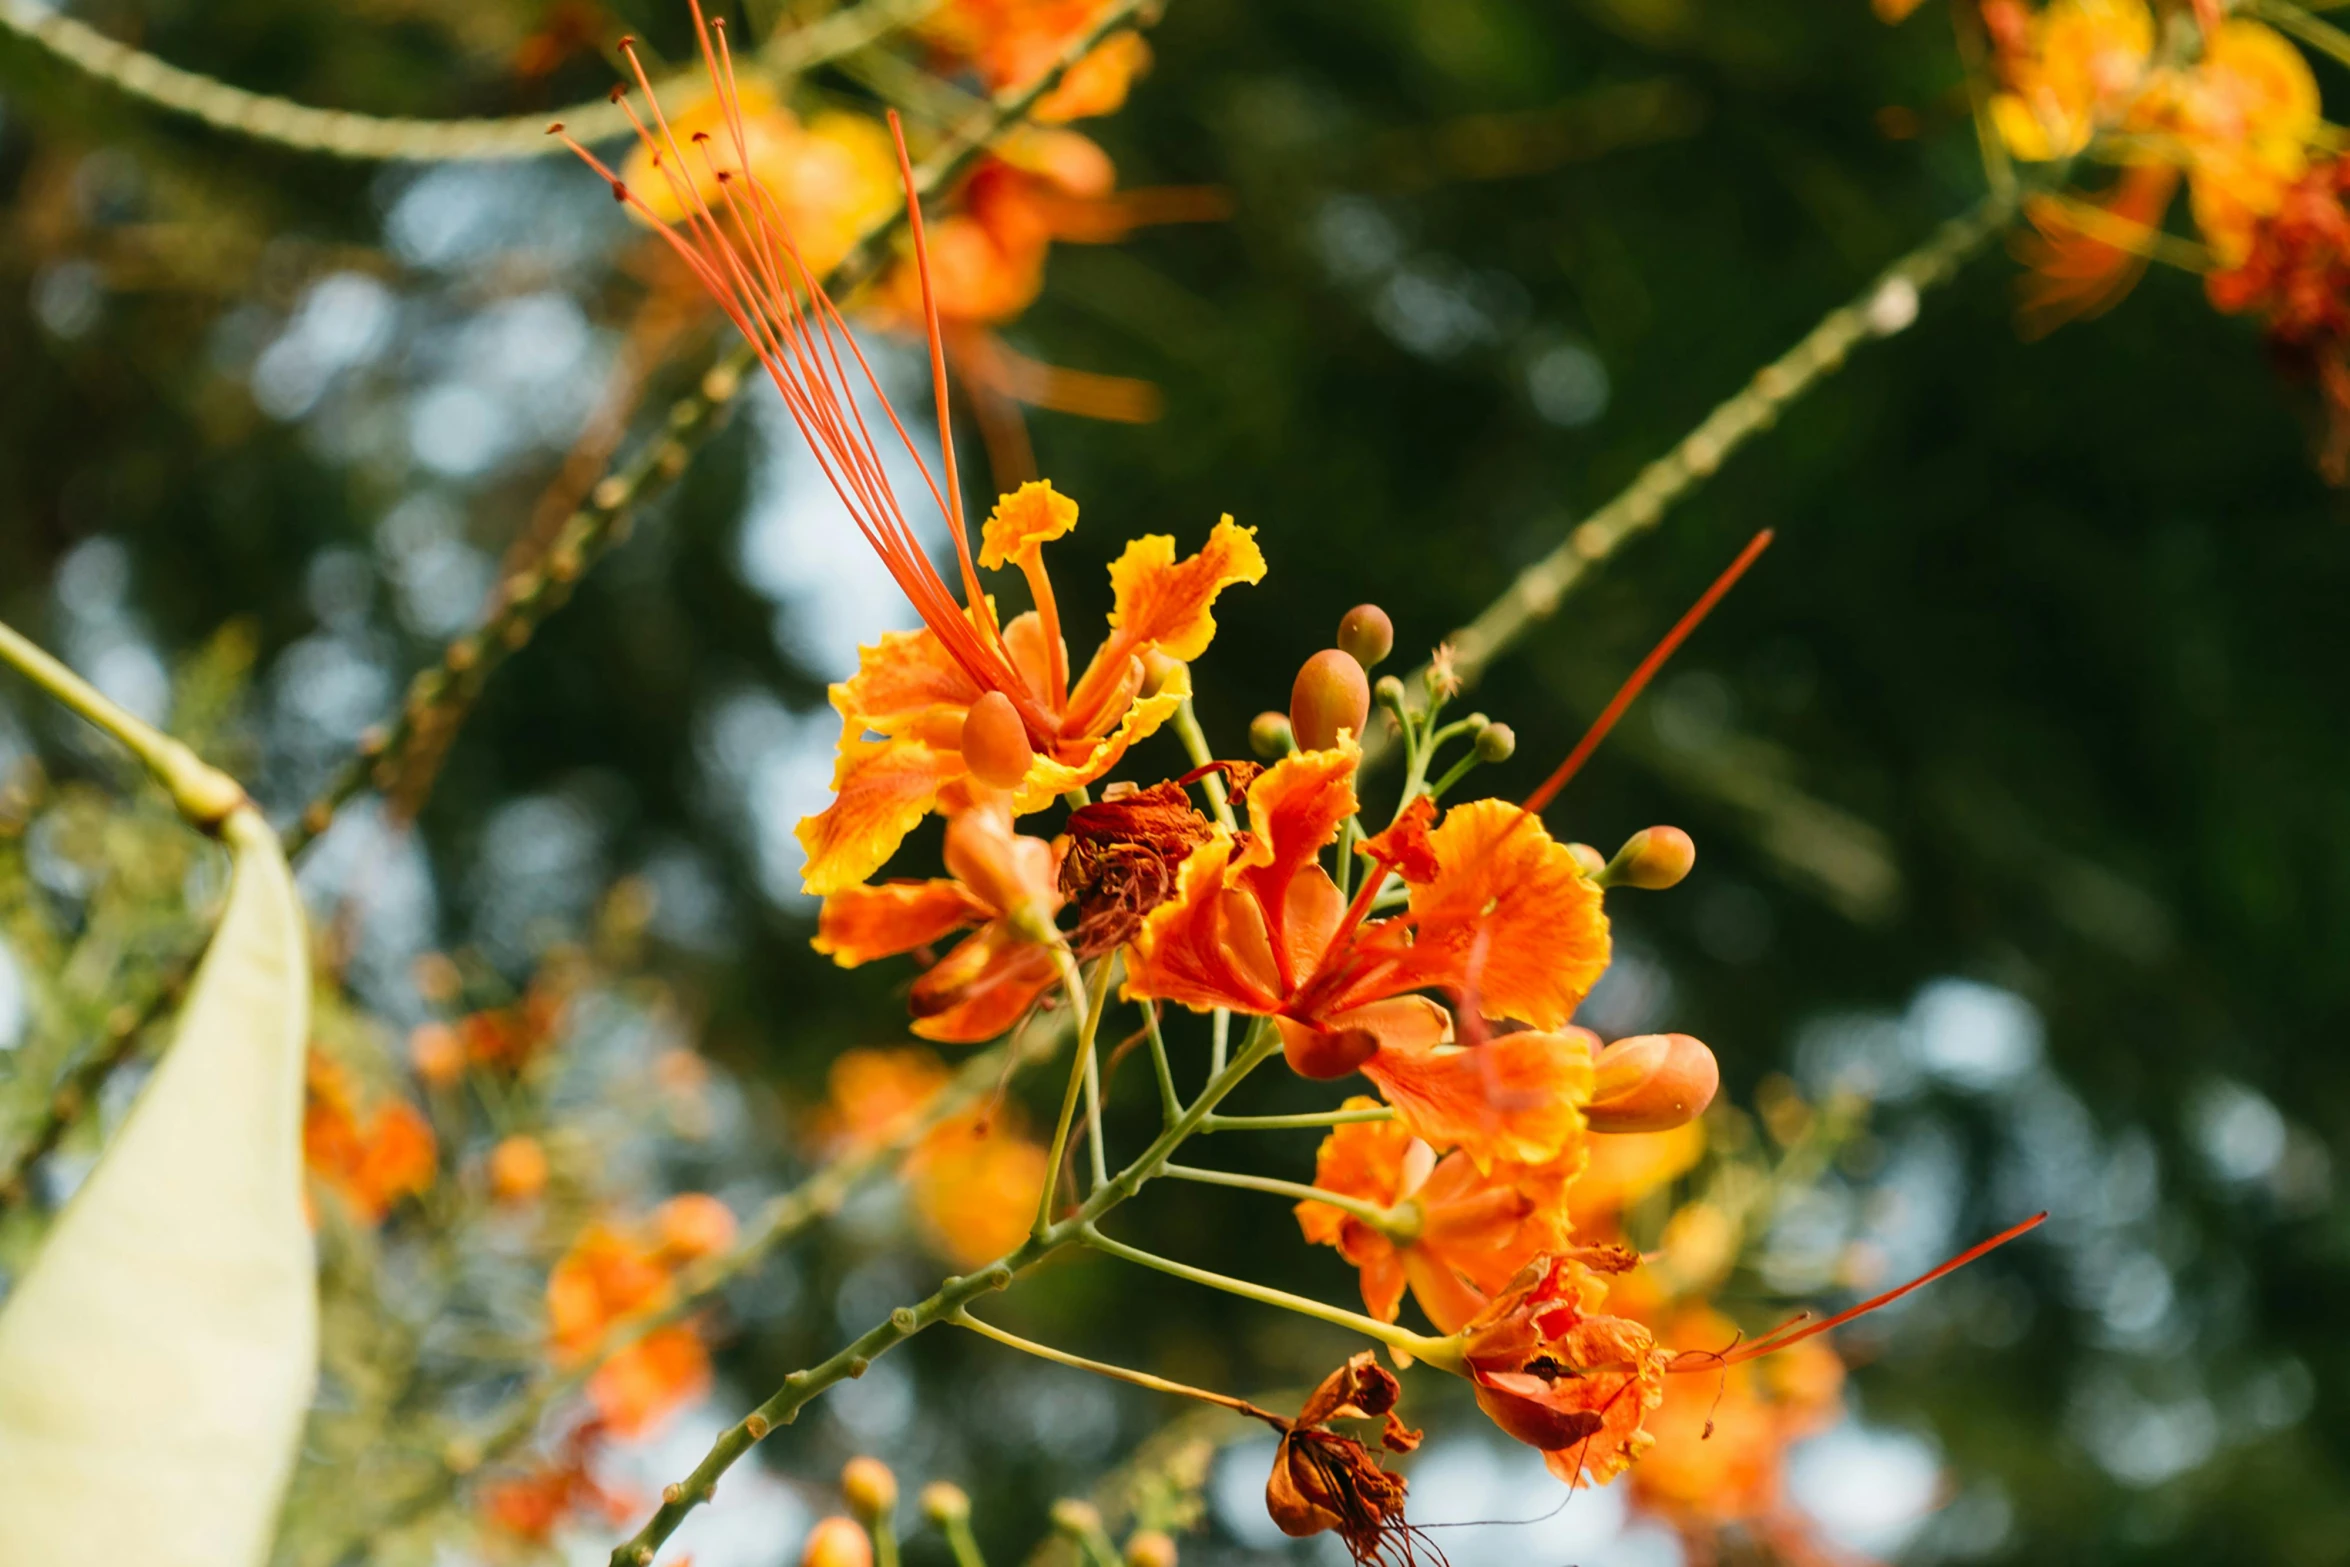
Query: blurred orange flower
(975, 1182)
(370, 1158)
(875, 1095)
(611, 1273)
(1557, 1374)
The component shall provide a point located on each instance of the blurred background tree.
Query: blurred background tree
(2015, 766)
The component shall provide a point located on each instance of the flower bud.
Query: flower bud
(1366, 635)
(1332, 693)
(1496, 743)
(1654, 858)
(694, 1225)
(436, 1054)
(1651, 1083)
(1157, 669)
(1269, 737)
(872, 1491)
(1389, 691)
(944, 1503)
(1587, 859)
(1150, 1548)
(1074, 1517)
(995, 742)
(837, 1542)
(518, 1170)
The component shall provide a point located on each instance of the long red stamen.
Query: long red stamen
(1645, 673)
(743, 253)
(1797, 1331)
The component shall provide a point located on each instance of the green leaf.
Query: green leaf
(157, 1359)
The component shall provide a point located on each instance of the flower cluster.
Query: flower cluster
(1438, 950)
(2226, 106)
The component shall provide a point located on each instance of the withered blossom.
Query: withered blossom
(1323, 1480)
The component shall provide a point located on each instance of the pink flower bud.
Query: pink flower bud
(1651, 1083)
(1654, 858)
(995, 742)
(1366, 635)
(1332, 693)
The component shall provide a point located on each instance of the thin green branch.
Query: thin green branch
(1311, 1120)
(1370, 1213)
(1884, 309)
(1102, 1368)
(1437, 1352)
(1088, 1020)
(1195, 746)
(951, 1298)
(2324, 37)
(1170, 1102)
(373, 138)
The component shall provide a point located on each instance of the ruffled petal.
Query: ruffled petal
(981, 988)
(1166, 602)
(1517, 1097)
(858, 924)
(1205, 946)
(1501, 876)
(1294, 808)
(881, 790)
(901, 680)
(1025, 520)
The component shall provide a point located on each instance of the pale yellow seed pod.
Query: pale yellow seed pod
(871, 1489)
(837, 1542)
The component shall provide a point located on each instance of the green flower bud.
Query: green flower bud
(1654, 858)
(1496, 743)
(1269, 737)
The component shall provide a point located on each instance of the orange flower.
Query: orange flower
(371, 1159)
(832, 179)
(2071, 70)
(975, 1182)
(532, 1504)
(920, 691)
(1496, 906)
(1721, 1440)
(1012, 42)
(1558, 1375)
(2245, 117)
(875, 1095)
(518, 1169)
(910, 690)
(1005, 885)
(2296, 279)
(1459, 1236)
(610, 1274)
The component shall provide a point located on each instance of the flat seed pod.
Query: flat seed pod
(157, 1358)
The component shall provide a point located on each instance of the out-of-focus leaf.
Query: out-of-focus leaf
(156, 1360)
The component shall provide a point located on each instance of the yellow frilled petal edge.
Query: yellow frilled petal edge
(1031, 516)
(1161, 600)
(881, 791)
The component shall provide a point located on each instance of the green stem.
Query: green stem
(884, 1531)
(1287, 1123)
(1442, 1353)
(1195, 746)
(1103, 1368)
(2324, 37)
(1088, 1017)
(962, 1542)
(201, 792)
(1170, 1102)
(1384, 1220)
(951, 1297)
(1219, 1039)
(1096, 1003)
(1453, 775)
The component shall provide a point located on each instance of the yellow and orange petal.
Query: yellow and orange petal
(1515, 1098)
(881, 791)
(2085, 61)
(859, 924)
(1079, 763)
(1622, 1169)
(1097, 84)
(1294, 811)
(1207, 946)
(1509, 917)
(1169, 603)
(1023, 522)
(2247, 116)
(906, 680)
(982, 987)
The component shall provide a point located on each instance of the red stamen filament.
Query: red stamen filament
(1640, 678)
(751, 266)
(1799, 1329)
